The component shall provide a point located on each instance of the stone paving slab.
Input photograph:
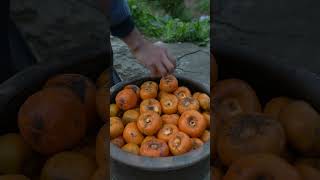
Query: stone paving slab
(285, 31)
(192, 61)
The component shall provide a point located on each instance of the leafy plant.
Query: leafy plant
(168, 28)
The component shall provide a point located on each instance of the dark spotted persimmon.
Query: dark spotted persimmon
(118, 141)
(180, 143)
(168, 83)
(188, 103)
(154, 148)
(126, 99)
(148, 90)
(135, 88)
(196, 143)
(81, 86)
(149, 123)
(167, 131)
(182, 92)
(52, 120)
(131, 134)
(150, 105)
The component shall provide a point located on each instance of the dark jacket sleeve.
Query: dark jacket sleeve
(121, 21)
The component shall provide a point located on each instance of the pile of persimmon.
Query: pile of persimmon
(159, 120)
(60, 135)
(277, 140)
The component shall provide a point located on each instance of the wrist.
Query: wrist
(134, 40)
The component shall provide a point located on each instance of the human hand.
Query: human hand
(153, 56)
(156, 58)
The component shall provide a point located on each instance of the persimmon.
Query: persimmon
(170, 118)
(154, 148)
(196, 143)
(68, 165)
(102, 146)
(81, 86)
(168, 83)
(118, 141)
(302, 125)
(150, 105)
(307, 172)
(182, 92)
(114, 110)
(116, 127)
(52, 120)
(192, 123)
(196, 95)
(188, 103)
(275, 105)
(131, 148)
(131, 134)
(87, 147)
(14, 153)
(135, 88)
(232, 97)
(169, 104)
(180, 143)
(205, 136)
(149, 123)
(206, 116)
(261, 166)
(130, 116)
(204, 101)
(137, 109)
(126, 99)
(13, 177)
(147, 138)
(250, 133)
(167, 131)
(161, 93)
(149, 90)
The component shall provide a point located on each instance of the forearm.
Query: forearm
(121, 21)
(134, 40)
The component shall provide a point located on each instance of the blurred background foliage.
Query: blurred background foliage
(173, 20)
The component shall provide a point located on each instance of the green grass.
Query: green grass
(169, 28)
(204, 6)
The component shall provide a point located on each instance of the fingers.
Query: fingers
(161, 69)
(153, 71)
(167, 64)
(172, 59)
